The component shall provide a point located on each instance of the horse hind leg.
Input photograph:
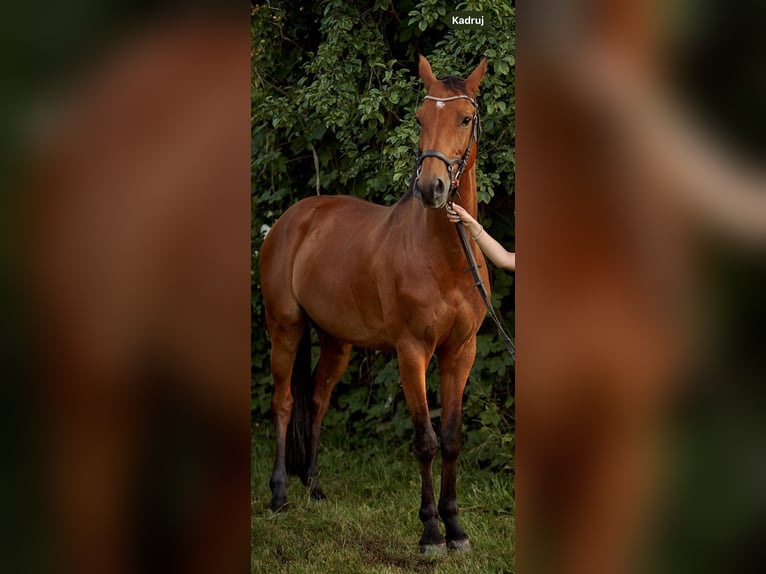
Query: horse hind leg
(290, 351)
(333, 361)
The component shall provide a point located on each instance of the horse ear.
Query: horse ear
(424, 69)
(472, 82)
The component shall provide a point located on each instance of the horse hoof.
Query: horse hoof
(317, 494)
(277, 506)
(460, 545)
(433, 549)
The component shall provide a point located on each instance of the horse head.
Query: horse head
(449, 132)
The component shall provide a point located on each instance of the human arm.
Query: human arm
(494, 251)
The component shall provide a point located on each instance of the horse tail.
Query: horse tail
(298, 448)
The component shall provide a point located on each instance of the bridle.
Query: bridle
(450, 162)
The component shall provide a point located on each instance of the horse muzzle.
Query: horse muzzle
(432, 193)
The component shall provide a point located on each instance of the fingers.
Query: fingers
(456, 213)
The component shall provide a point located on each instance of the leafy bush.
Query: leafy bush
(334, 92)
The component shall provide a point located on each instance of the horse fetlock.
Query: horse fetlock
(447, 509)
(429, 517)
(278, 482)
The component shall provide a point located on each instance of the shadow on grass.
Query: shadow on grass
(377, 555)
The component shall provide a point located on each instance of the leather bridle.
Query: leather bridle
(450, 162)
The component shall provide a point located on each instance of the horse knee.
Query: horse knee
(424, 445)
(452, 442)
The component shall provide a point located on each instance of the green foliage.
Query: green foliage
(334, 92)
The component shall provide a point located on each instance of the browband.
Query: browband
(461, 97)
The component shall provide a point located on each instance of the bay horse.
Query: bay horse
(381, 278)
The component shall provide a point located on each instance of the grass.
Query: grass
(369, 523)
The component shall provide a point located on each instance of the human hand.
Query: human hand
(456, 213)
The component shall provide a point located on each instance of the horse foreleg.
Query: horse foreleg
(412, 367)
(333, 360)
(285, 339)
(454, 367)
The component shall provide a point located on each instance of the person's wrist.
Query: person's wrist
(478, 233)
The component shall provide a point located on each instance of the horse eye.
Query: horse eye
(417, 119)
(466, 121)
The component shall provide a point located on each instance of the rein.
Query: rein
(473, 267)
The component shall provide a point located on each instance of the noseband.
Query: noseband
(451, 162)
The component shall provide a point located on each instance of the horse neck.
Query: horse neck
(468, 196)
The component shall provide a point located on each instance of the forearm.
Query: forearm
(495, 252)
(489, 246)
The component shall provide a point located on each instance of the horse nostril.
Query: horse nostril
(430, 190)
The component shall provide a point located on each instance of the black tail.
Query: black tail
(299, 430)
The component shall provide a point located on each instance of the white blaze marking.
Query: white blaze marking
(439, 105)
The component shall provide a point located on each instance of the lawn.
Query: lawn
(369, 523)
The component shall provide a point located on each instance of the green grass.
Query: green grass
(369, 523)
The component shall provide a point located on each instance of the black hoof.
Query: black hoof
(278, 505)
(433, 549)
(314, 488)
(459, 545)
(317, 494)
